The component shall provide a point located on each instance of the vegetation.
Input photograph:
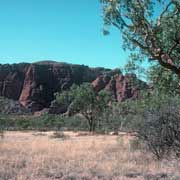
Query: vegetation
(83, 99)
(160, 128)
(27, 155)
(45, 122)
(154, 117)
(156, 120)
(150, 123)
(154, 35)
(164, 80)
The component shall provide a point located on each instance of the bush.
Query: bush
(135, 144)
(59, 135)
(155, 118)
(125, 116)
(76, 123)
(160, 129)
(42, 123)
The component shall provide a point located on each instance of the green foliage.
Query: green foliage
(156, 120)
(163, 80)
(42, 123)
(160, 128)
(125, 116)
(83, 99)
(76, 123)
(45, 122)
(151, 36)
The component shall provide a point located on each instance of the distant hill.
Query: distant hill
(34, 85)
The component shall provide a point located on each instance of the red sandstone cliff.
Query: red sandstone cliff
(34, 85)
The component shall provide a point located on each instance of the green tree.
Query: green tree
(83, 99)
(155, 35)
(163, 80)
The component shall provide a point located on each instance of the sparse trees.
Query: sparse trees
(156, 120)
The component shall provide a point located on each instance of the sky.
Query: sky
(61, 30)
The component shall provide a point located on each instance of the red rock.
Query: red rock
(34, 85)
(121, 87)
(101, 82)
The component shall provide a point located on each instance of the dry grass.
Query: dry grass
(34, 156)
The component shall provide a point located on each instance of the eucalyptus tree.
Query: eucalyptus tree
(84, 100)
(149, 27)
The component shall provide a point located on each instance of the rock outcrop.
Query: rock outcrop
(34, 85)
(121, 86)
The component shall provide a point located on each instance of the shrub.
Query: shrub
(125, 116)
(76, 123)
(60, 135)
(135, 144)
(155, 118)
(44, 122)
(160, 129)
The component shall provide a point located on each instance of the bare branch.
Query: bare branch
(164, 11)
(138, 44)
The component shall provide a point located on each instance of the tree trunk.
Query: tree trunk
(92, 124)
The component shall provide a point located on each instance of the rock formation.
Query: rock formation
(121, 86)
(34, 85)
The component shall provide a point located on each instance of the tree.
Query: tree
(155, 35)
(83, 99)
(164, 80)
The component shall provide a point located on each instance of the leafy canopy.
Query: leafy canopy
(83, 99)
(155, 35)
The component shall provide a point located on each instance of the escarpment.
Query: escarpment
(34, 85)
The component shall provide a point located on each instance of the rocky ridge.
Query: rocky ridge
(34, 85)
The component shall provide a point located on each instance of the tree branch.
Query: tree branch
(173, 47)
(166, 62)
(139, 44)
(165, 10)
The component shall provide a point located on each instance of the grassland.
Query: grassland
(78, 156)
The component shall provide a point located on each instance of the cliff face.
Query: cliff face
(11, 80)
(34, 85)
(122, 87)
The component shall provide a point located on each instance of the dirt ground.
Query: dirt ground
(79, 156)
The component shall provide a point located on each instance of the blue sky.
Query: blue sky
(61, 30)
